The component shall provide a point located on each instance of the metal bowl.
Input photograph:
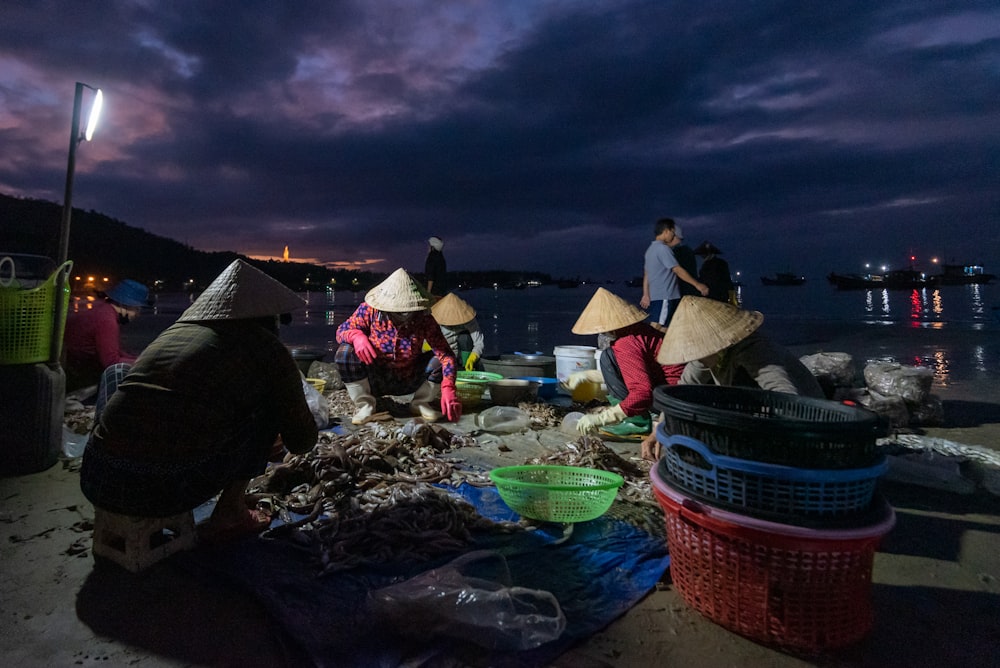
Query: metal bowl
(513, 366)
(512, 391)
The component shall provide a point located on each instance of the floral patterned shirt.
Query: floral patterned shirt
(398, 347)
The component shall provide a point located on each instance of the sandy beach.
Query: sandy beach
(935, 586)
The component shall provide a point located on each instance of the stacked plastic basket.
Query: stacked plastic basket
(773, 517)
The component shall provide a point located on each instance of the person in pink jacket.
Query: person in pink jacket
(381, 352)
(92, 341)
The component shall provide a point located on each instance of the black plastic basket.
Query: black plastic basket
(771, 427)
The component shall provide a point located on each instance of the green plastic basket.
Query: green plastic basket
(557, 493)
(470, 385)
(27, 317)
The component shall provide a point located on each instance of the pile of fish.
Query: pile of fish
(367, 497)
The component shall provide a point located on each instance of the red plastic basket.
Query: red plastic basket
(806, 590)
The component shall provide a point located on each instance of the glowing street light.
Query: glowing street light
(75, 137)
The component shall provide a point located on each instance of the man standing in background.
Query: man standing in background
(662, 271)
(686, 259)
(435, 268)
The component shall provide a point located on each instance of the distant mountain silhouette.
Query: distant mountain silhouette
(103, 246)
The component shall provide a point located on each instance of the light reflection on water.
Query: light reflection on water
(954, 329)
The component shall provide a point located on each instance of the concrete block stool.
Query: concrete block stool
(136, 543)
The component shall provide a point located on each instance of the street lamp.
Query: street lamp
(75, 137)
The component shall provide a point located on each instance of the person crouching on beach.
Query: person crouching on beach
(381, 352)
(629, 365)
(719, 344)
(461, 330)
(92, 341)
(201, 409)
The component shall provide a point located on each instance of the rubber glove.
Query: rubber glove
(362, 346)
(589, 423)
(577, 377)
(470, 364)
(450, 405)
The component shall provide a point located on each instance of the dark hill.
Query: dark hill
(103, 246)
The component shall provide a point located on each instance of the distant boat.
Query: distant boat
(634, 282)
(898, 279)
(783, 278)
(962, 274)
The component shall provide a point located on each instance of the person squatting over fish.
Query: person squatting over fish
(628, 365)
(381, 352)
(458, 323)
(719, 344)
(92, 341)
(227, 389)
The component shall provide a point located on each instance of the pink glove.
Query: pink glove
(362, 346)
(450, 405)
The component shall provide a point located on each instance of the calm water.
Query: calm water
(952, 329)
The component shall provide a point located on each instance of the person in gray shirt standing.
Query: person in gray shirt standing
(660, 280)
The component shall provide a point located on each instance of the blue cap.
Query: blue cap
(129, 293)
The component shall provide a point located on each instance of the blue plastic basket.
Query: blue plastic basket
(788, 494)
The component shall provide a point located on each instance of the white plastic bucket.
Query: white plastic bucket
(570, 359)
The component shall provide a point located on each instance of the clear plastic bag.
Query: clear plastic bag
(504, 419)
(318, 404)
(447, 602)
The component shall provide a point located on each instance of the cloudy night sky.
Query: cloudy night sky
(544, 136)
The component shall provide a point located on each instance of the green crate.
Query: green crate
(27, 317)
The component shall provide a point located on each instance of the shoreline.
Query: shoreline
(935, 584)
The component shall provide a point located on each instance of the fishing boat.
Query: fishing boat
(962, 274)
(783, 278)
(897, 279)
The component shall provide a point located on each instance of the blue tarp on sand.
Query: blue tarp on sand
(603, 569)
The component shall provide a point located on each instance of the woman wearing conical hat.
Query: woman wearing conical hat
(714, 273)
(381, 352)
(458, 323)
(628, 366)
(201, 410)
(719, 344)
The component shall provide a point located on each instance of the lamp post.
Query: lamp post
(75, 137)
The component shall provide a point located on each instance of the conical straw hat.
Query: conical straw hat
(607, 312)
(242, 291)
(707, 248)
(452, 310)
(702, 327)
(398, 294)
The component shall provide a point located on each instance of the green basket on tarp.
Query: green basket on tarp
(557, 493)
(470, 385)
(27, 315)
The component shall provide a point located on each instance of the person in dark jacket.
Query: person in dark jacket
(435, 268)
(201, 410)
(714, 273)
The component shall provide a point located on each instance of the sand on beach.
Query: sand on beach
(935, 585)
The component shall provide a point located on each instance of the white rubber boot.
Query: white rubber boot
(426, 402)
(364, 402)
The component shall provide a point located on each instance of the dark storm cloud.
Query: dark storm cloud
(545, 136)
